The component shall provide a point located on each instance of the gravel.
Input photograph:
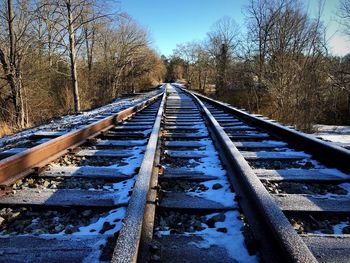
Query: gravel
(179, 223)
(28, 220)
(179, 162)
(280, 164)
(303, 188)
(72, 160)
(318, 224)
(62, 183)
(183, 186)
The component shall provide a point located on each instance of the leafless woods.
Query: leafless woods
(61, 56)
(277, 64)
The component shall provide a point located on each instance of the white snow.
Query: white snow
(277, 143)
(123, 189)
(210, 165)
(133, 162)
(339, 135)
(320, 128)
(346, 186)
(338, 228)
(95, 254)
(114, 217)
(222, 195)
(233, 240)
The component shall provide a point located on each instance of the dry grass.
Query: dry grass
(5, 129)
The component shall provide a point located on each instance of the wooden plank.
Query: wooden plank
(143, 114)
(131, 128)
(43, 140)
(311, 203)
(63, 197)
(248, 136)
(141, 118)
(184, 135)
(185, 154)
(13, 151)
(181, 127)
(258, 144)
(240, 128)
(182, 118)
(181, 170)
(48, 134)
(122, 135)
(137, 123)
(274, 155)
(224, 118)
(183, 122)
(50, 248)
(222, 121)
(128, 143)
(221, 114)
(184, 144)
(193, 177)
(310, 175)
(190, 249)
(185, 113)
(181, 108)
(105, 153)
(232, 124)
(329, 248)
(180, 200)
(87, 172)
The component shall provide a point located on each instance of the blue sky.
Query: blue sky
(172, 22)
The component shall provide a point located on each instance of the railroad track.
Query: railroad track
(178, 178)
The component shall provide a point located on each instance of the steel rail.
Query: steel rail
(24, 163)
(291, 245)
(126, 249)
(324, 151)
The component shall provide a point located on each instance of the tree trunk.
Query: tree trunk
(12, 71)
(89, 48)
(72, 56)
(221, 81)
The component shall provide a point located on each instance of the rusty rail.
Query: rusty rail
(127, 245)
(26, 162)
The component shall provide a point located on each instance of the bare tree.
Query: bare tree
(186, 52)
(344, 16)
(16, 21)
(127, 48)
(293, 54)
(72, 30)
(223, 41)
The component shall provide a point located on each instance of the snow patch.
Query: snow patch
(114, 218)
(232, 241)
(222, 195)
(338, 228)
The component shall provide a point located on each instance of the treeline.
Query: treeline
(64, 56)
(276, 64)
